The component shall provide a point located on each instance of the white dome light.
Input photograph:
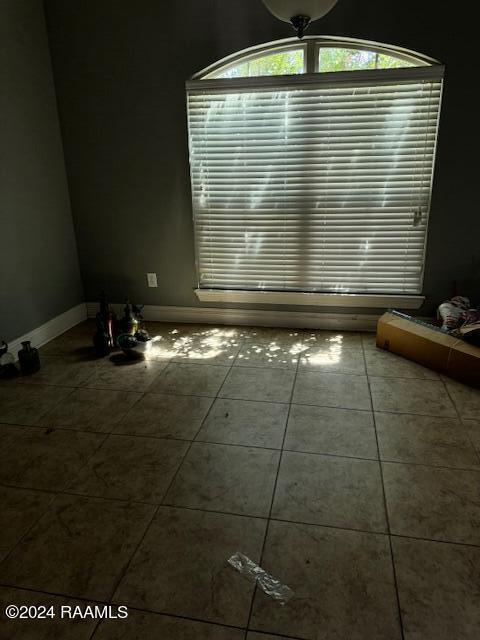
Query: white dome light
(299, 12)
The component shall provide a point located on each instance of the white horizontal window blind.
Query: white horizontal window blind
(318, 183)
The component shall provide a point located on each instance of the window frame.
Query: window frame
(425, 68)
(311, 46)
(292, 46)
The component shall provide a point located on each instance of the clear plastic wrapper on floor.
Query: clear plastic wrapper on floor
(272, 587)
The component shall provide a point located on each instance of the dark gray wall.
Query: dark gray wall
(120, 69)
(39, 272)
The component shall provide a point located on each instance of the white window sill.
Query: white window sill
(372, 301)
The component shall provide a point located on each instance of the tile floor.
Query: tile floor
(350, 474)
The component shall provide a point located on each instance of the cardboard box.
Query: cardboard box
(430, 347)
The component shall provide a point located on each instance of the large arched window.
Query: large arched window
(311, 165)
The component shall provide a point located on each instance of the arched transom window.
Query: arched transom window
(312, 165)
(314, 54)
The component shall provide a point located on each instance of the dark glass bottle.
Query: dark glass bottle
(29, 359)
(101, 339)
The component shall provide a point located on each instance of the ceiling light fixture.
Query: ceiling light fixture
(300, 13)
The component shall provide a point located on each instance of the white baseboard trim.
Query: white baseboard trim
(51, 329)
(291, 319)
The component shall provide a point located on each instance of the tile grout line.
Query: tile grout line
(137, 546)
(154, 513)
(107, 435)
(460, 419)
(84, 466)
(130, 608)
(68, 429)
(385, 504)
(202, 422)
(29, 529)
(169, 361)
(136, 609)
(162, 502)
(66, 492)
(97, 449)
(115, 426)
(95, 629)
(54, 494)
(170, 393)
(269, 518)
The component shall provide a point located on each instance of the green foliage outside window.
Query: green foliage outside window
(276, 64)
(337, 59)
(330, 59)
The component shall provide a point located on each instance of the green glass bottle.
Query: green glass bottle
(29, 359)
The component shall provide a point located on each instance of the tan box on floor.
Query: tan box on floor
(429, 347)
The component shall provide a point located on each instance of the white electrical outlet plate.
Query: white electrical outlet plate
(152, 279)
